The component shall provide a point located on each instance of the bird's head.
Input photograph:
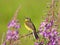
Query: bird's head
(27, 19)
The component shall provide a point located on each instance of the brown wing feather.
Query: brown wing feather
(30, 25)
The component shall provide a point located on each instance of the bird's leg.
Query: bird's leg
(33, 37)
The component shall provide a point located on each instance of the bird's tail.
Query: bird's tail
(35, 34)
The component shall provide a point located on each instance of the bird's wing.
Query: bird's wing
(30, 25)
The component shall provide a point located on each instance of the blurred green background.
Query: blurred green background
(35, 9)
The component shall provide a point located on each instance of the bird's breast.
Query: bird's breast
(27, 27)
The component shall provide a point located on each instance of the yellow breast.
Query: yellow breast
(28, 28)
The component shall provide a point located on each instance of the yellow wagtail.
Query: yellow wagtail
(30, 26)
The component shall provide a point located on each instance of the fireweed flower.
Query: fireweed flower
(12, 34)
(51, 43)
(36, 43)
(48, 31)
(58, 40)
(39, 43)
(52, 40)
(4, 43)
(46, 28)
(14, 23)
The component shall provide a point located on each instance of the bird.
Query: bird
(30, 27)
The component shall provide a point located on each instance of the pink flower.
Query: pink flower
(4, 43)
(36, 43)
(14, 23)
(12, 35)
